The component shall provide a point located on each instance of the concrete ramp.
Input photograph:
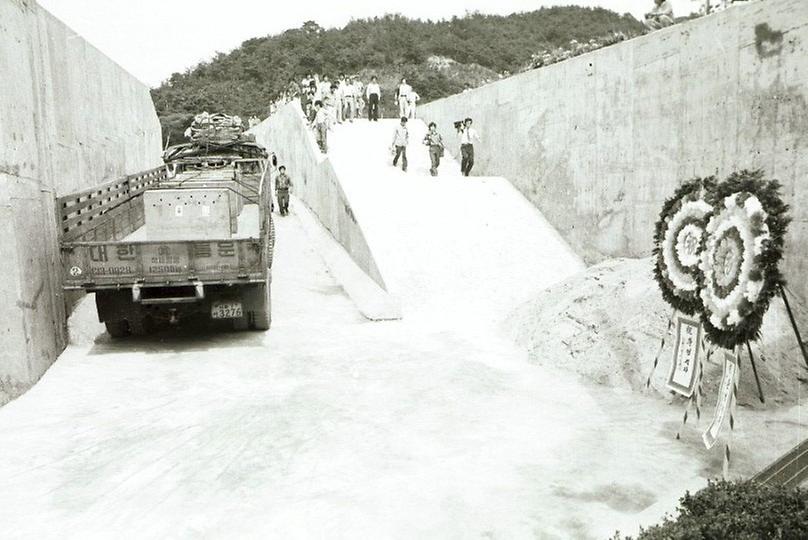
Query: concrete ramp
(452, 249)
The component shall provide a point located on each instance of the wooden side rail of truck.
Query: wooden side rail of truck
(155, 246)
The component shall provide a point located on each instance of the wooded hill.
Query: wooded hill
(483, 47)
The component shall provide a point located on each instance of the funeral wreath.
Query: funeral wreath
(739, 263)
(679, 242)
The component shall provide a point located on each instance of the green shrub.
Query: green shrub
(735, 510)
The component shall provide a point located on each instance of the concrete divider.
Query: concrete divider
(317, 185)
(599, 141)
(71, 118)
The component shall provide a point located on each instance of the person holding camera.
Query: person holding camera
(435, 143)
(468, 135)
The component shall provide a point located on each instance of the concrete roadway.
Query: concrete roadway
(326, 426)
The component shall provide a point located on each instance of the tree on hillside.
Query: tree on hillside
(248, 78)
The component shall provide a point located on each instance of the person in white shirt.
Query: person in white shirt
(401, 138)
(358, 92)
(324, 85)
(320, 125)
(468, 135)
(659, 17)
(349, 100)
(412, 99)
(402, 97)
(374, 95)
(340, 104)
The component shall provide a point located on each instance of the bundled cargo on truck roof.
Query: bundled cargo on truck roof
(218, 134)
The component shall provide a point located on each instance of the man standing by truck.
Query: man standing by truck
(282, 186)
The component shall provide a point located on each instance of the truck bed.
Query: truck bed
(249, 226)
(106, 242)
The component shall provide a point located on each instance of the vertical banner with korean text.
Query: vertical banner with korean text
(725, 396)
(687, 347)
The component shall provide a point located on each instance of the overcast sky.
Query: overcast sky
(155, 38)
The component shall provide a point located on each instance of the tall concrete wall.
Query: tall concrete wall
(69, 118)
(599, 141)
(316, 183)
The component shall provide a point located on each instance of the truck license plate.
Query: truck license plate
(226, 310)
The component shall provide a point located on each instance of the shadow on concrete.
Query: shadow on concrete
(191, 335)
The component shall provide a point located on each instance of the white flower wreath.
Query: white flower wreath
(681, 244)
(732, 279)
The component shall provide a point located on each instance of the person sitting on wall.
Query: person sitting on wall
(659, 17)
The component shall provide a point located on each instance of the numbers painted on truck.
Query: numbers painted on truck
(226, 310)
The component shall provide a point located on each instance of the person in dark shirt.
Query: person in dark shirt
(434, 141)
(282, 186)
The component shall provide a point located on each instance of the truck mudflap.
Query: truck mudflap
(99, 265)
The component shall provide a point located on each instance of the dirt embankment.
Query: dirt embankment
(607, 323)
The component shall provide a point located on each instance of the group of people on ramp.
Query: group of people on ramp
(433, 140)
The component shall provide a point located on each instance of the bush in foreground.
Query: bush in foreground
(743, 510)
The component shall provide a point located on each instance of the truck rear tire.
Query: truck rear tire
(117, 329)
(139, 326)
(261, 318)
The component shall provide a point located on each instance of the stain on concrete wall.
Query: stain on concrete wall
(599, 141)
(69, 118)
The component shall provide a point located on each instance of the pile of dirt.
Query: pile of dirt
(607, 323)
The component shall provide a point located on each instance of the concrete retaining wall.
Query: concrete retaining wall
(599, 141)
(315, 182)
(69, 118)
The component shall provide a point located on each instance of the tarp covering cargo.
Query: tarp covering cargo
(218, 134)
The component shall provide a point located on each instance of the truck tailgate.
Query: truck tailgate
(93, 265)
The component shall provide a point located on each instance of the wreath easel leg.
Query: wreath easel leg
(754, 370)
(661, 347)
(794, 324)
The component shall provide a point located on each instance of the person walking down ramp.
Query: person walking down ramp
(320, 124)
(282, 186)
(400, 140)
(467, 137)
(434, 141)
(403, 98)
(374, 95)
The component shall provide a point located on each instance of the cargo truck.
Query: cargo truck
(193, 238)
